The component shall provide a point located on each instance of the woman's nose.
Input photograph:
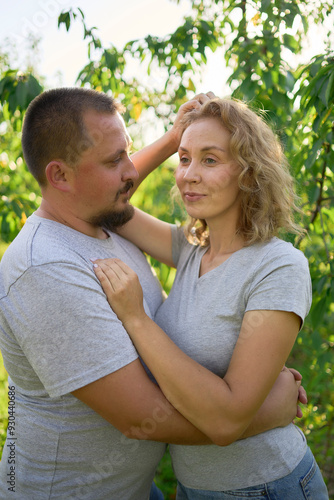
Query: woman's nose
(191, 174)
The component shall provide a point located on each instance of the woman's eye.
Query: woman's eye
(184, 160)
(210, 161)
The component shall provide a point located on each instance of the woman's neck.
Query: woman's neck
(223, 243)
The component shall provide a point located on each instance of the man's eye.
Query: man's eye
(116, 160)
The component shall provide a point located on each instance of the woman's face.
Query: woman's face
(207, 175)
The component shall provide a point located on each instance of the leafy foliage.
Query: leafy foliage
(263, 44)
(18, 189)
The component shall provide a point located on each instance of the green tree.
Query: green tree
(18, 190)
(263, 44)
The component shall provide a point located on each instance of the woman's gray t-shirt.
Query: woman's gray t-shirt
(203, 316)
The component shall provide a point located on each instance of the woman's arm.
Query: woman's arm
(221, 408)
(150, 157)
(151, 235)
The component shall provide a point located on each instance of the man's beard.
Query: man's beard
(113, 220)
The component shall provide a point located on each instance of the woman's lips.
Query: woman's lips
(191, 196)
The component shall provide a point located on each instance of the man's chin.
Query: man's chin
(113, 220)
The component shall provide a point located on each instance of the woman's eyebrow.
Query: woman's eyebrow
(206, 148)
(213, 147)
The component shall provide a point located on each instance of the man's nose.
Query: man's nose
(130, 171)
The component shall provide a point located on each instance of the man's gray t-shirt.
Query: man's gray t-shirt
(57, 334)
(203, 316)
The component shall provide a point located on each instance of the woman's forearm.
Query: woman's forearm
(150, 157)
(199, 395)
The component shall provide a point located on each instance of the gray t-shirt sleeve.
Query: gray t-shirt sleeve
(70, 335)
(281, 282)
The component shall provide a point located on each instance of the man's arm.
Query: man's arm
(133, 404)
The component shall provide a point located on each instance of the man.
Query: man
(86, 421)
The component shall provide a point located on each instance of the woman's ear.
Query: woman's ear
(58, 175)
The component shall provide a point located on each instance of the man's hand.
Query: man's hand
(302, 396)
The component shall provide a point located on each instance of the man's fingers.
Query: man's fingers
(302, 396)
(295, 373)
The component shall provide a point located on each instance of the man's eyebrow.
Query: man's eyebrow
(115, 155)
(119, 152)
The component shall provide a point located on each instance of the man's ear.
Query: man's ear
(58, 175)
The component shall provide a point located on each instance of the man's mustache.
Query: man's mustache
(125, 189)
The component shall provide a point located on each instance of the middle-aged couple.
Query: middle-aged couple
(91, 422)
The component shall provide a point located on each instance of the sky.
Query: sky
(63, 54)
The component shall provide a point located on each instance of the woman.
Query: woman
(238, 301)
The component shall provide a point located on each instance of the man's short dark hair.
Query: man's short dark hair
(54, 129)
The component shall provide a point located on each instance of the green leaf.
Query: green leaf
(267, 79)
(314, 153)
(65, 18)
(82, 14)
(5, 228)
(318, 311)
(34, 87)
(291, 43)
(265, 4)
(330, 90)
(21, 94)
(289, 81)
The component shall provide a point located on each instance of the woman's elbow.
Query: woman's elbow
(225, 435)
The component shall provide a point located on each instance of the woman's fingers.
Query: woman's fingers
(202, 97)
(114, 275)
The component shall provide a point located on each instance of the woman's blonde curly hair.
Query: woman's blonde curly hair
(268, 197)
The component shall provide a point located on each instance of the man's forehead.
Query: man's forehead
(93, 118)
(101, 124)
